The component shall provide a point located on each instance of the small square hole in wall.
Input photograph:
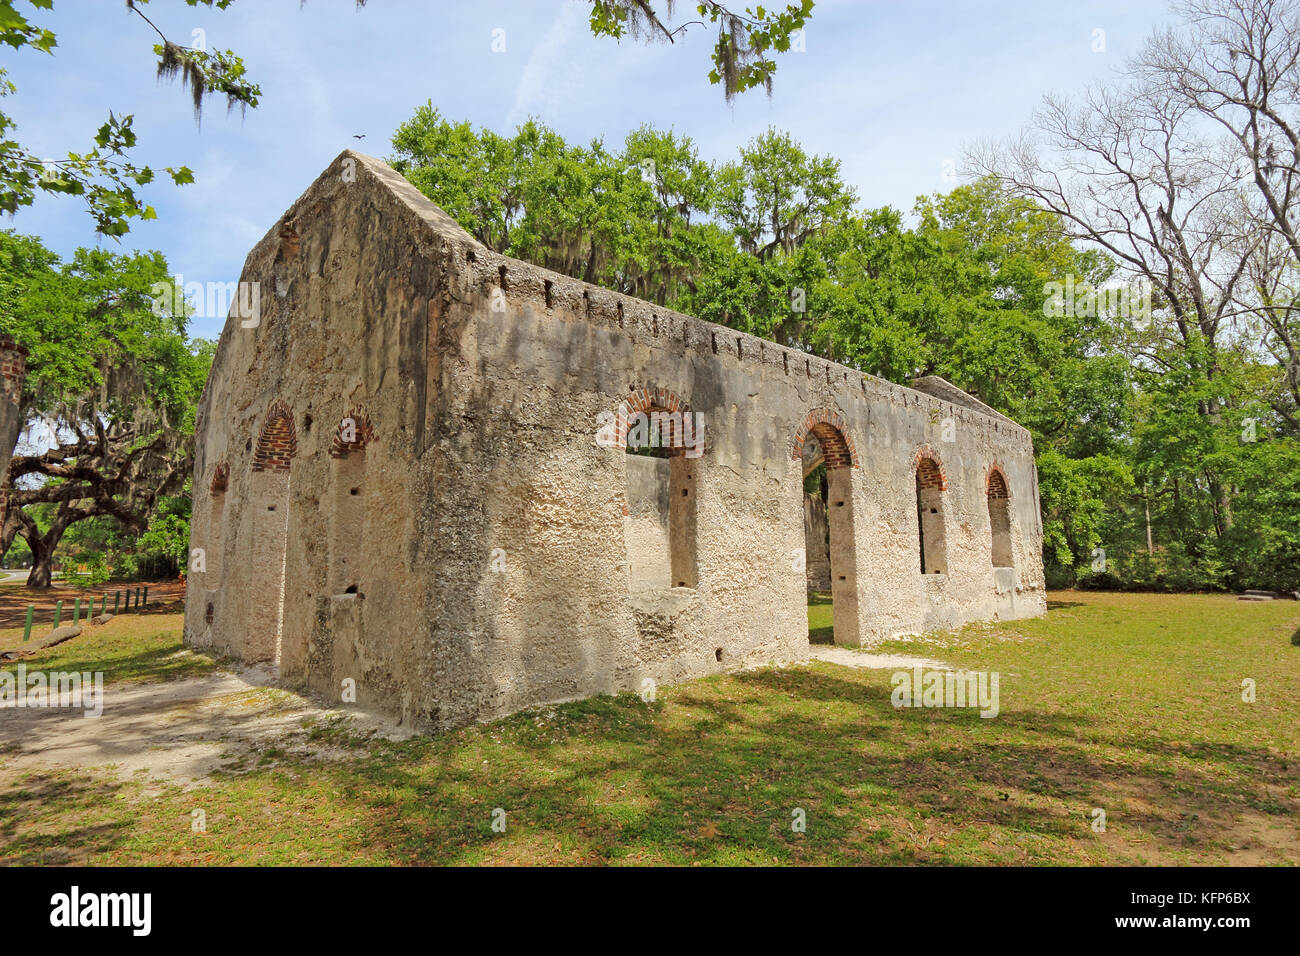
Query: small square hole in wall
(209, 613)
(355, 491)
(270, 507)
(839, 504)
(718, 653)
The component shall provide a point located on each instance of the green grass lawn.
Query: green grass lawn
(1131, 703)
(821, 624)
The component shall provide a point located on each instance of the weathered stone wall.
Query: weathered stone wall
(484, 559)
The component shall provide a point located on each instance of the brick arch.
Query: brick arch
(278, 441)
(996, 484)
(647, 400)
(929, 469)
(363, 433)
(220, 479)
(838, 450)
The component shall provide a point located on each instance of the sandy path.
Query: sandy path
(851, 658)
(175, 732)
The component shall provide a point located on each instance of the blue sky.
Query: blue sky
(892, 89)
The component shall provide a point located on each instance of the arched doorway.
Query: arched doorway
(834, 453)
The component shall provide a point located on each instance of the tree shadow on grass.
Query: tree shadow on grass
(718, 779)
(717, 771)
(22, 844)
(169, 662)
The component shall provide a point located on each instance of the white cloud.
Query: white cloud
(553, 75)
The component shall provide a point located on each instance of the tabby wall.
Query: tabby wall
(424, 492)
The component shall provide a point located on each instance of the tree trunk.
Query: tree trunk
(1150, 547)
(43, 548)
(42, 573)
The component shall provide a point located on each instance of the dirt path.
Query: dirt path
(174, 732)
(849, 657)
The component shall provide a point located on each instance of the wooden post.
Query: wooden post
(76, 612)
(27, 628)
(117, 599)
(58, 613)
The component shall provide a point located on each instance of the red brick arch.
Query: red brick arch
(278, 441)
(647, 400)
(363, 433)
(996, 484)
(929, 469)
(220, 479)
(838, 450)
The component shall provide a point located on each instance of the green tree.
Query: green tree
(629, 220)
(110, 394)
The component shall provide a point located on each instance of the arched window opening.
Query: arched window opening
(662, 461)
(214, 540)
(277, 443)
(1000, 519)
(348, 512)
(930, 486)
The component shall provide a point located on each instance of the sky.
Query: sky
(894, 90)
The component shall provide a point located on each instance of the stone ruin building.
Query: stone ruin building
(414, 474)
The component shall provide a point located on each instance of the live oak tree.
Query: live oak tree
(777, 196)
(109, 398)
(631, 219)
